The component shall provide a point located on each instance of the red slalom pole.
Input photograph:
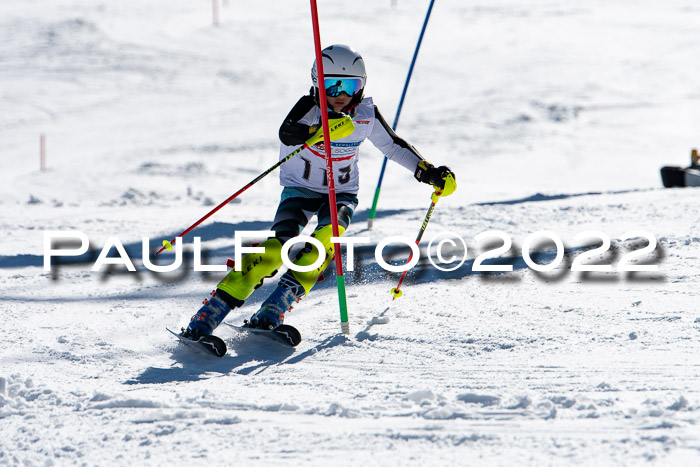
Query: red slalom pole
(344, 324)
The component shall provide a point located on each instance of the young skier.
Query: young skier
(305, 192)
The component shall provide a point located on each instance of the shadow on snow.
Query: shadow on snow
(248, 355)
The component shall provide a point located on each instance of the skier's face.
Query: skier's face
(338, 102)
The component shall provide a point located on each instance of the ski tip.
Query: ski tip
(210, 344)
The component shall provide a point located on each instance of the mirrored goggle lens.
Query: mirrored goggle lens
(336, 86)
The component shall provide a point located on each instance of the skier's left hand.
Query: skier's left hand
(442, 178)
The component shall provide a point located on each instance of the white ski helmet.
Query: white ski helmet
(344, 71)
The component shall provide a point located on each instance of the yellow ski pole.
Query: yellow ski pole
(396, 291)
(339, 128)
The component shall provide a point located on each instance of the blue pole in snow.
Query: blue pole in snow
(373, 211)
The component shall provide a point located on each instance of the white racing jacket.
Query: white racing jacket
(308, 168)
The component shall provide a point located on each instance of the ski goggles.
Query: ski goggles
(337, 86)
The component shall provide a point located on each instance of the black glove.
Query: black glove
(428, 173)
(293, 133)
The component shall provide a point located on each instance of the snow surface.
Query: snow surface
(554, 115)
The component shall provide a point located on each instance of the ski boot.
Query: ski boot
(294, 285)
(211, 314)
(271, 312)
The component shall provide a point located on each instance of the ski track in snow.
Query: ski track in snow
(553, 116)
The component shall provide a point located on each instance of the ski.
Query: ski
(210, 344)
(284, 333)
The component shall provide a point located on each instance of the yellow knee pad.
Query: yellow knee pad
(254, 268)
(309, 278)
